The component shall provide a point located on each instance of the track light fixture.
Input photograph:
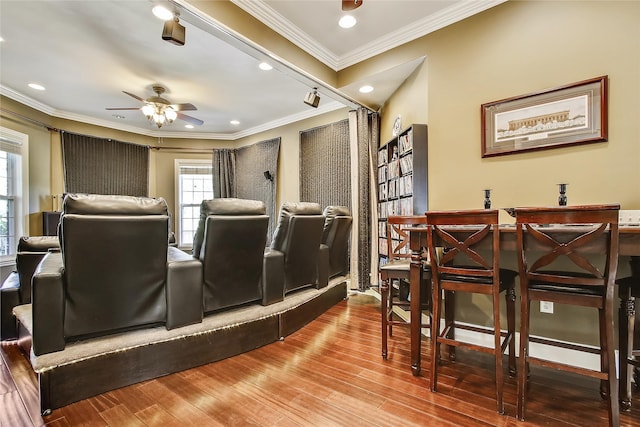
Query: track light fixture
(351, 4)
(312, 98)
(173, 32)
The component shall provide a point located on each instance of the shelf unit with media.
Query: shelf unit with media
(402, 179)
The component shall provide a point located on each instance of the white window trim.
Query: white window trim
(176, 179)
(22, 220)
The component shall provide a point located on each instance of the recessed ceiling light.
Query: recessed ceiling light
(162, 12)
(36, 86)
(189, 126)
(347, 21)
(366, 89)
(235, 122)
(264, 66)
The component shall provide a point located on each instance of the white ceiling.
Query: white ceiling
(86, 53)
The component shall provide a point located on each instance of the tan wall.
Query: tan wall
(513, 49)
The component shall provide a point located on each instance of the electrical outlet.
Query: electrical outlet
(631, 217)
(546, 307)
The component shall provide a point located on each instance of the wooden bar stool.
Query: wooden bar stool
(464, 247)
(396, 271)
(556, 268)
(629, 291)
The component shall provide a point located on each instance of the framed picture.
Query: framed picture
(567, 115)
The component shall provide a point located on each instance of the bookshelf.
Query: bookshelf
(402, 179)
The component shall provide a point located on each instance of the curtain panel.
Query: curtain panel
(224, 173)
(249, 173)
(104, 166)
(325, 165)
(257, 180)
(365, 138)
(336, 168)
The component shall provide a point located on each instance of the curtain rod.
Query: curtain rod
(195, 150)
(29, 120)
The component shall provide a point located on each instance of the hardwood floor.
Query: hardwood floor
(330, 373)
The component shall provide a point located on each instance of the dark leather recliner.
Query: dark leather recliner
(230, 242)
(337, 230)
(16, 289)
(115, 272)
(296, 259)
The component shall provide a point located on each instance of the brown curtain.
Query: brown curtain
(104, 166)
(224, 173)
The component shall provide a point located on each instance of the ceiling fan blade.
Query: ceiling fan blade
(123, 108)
(351, 4)
(187, 106)
(133, 96)
(190, 119)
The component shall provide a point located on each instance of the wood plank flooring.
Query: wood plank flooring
(330, 373)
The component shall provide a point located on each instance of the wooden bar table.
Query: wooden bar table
(629, 246)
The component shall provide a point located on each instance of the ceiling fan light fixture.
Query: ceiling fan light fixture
(347, 21)
(148, 111)
(159, 119)
(170, 114)
(160, 111)
(159, 114)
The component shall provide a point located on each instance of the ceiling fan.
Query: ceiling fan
(160, 111)
(351, 4)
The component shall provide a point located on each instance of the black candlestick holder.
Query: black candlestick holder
(487, 199)
(562, 199)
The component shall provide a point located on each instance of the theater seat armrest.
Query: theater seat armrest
(48, 305)
(184, 289)
(9, 298)
(272, 277)
(323, 267)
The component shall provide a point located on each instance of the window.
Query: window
(14, 191)
(194, 182)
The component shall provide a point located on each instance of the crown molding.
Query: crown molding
(325, 107)
(281, 25)
(457, 12)
(415, 30)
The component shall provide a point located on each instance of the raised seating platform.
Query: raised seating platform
(88, 368)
